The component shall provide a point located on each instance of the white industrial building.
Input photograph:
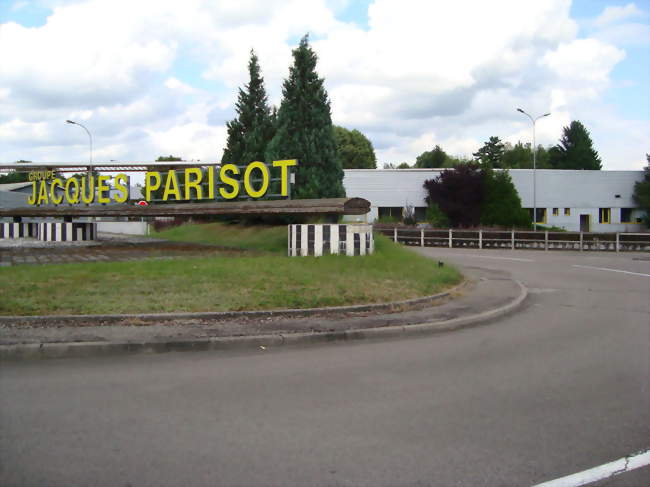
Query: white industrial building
(590, 201)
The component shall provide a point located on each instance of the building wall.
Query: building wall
(583, 192)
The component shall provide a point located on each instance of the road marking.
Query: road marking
(488, 257)
(612, 270)
(622, 465)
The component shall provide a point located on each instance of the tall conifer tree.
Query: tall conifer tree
(575, 150)
(304, 130)
(252, 130)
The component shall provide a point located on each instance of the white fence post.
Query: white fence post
(395, 234)
(450, 238)
(480, 239)
(618, 243)
(580, 241)
(422, 237)
(546, 240)
(512, 239)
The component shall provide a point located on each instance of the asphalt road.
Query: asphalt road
(559, 387)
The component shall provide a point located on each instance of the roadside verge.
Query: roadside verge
(486, 296)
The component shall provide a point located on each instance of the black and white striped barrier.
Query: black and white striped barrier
(327, 239)
(67, 232)
(50, 231)
(18, 230)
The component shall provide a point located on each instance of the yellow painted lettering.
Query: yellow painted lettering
(265, 179)
(72, 199)
(103, 189)
(122, 187)
(284, 174)
(149, 185)
(233, 183)
(171, 186)
(87, 183)
(193, 182)
(32, 199)
(42, 193)
(56, 200)
(211, 182)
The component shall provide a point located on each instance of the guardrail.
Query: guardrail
(510, 239)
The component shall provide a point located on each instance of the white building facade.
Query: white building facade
(589, 201)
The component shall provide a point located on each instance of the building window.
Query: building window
(604, 215)
(420, 213)
(567, 212)
(390, 212)
(541, 215)
(556, 212)
(626, 215)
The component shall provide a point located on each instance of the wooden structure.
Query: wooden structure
(337, 206)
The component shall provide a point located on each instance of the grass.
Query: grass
(265, 238)
(260, 281)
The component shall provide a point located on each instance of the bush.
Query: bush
(502, 205)
(436, 217)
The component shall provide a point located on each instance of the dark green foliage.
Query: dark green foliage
(502, 205)
(459, 194)
(520, 156)
(575, 150)
(435, 158)
(436, 217)
(401, 165)
(304, 130)
(163, 170)
(491, 153)
(354, 149)
(14, 177)
(250, 133)
(642, 193)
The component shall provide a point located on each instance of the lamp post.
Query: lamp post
(533, 120)
(90, 138)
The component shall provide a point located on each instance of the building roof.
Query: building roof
(14, 186)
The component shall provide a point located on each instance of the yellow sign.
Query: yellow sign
(47, 188)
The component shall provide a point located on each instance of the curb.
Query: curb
(224, 315)
(87, 349)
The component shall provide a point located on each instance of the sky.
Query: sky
(160, 77)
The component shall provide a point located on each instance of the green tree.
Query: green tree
(436, 217)
(251, 131)
(502, 205)
(401, 165)
(304, 129)
(520, 156)
(641, 194)
(354, 149)
(434, 158)
(575, 150)
(157, 194)
(491, 153)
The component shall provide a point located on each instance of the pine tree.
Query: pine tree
(491, 153)
(575, 150)
(304, 130)
(252, 130)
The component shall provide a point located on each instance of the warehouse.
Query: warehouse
(589, 201)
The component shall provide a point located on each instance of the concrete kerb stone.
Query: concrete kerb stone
(84, 349)
(224, 315)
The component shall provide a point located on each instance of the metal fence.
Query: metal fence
(510, 239)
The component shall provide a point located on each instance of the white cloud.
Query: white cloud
(612, 14)
(418, 76)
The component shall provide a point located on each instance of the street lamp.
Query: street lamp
(90, 138)
(533, 120)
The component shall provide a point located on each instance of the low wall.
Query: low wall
(50, 231)
(327, 239)
(126, 228)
